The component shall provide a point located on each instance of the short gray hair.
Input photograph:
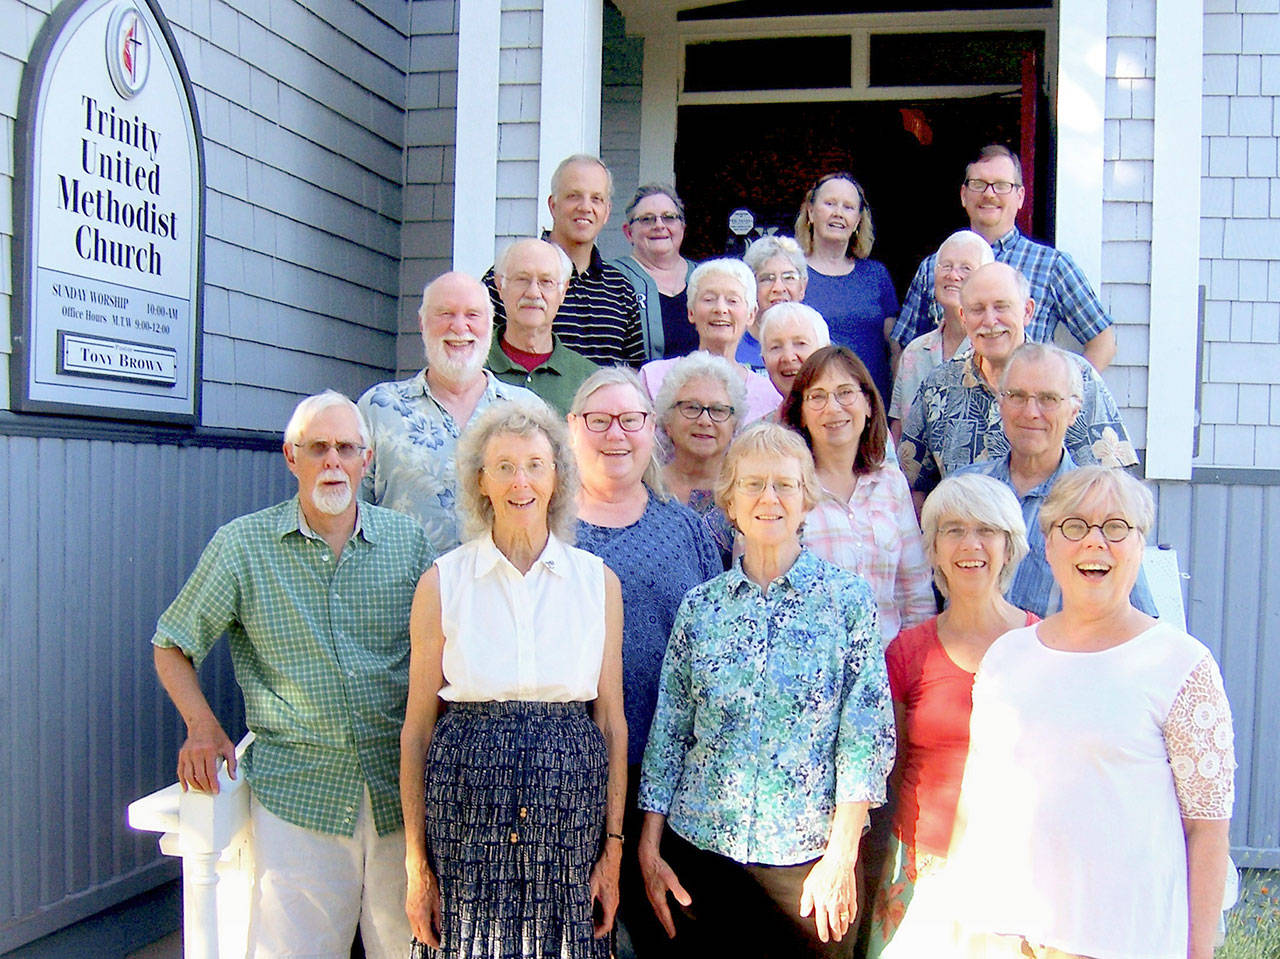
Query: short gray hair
(624, 376)
(503, 262)
(725, 266)
(654, 189)
(1128, 496)
(973, 240)
(586, 159)
(763, 250)
(974, 498)
(1032, 352)
(775, 441)
(790, 310)
(309, 408)
(515, 418)
(701, 365)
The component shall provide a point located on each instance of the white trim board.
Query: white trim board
(1175, 241)
(475, 169)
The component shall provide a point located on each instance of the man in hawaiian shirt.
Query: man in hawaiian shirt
(414, 424)
(955, 420)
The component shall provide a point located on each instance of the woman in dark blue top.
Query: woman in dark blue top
(659, 551)
(852, 292)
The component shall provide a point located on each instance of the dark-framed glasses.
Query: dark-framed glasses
(998, 187)
(719, 412)
(1116, 530)
(817, 399)
(632, 421)
(319, 449)
(647, 220)
(1018, 399)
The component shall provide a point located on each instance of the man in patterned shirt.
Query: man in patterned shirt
(955, 419)
(600, 315)
(992, 194)
(414, 424)
(314, 594)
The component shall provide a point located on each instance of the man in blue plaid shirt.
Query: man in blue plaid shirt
(992, 194)
(314, 596)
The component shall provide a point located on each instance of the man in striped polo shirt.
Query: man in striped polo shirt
(600, 315)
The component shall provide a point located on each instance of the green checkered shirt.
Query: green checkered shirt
(321, 650)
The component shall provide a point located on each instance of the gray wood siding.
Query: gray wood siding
(99, 536)
(1226, 541)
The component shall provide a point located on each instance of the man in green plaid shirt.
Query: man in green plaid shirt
(315, 595)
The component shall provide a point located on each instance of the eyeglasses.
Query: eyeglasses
(755, 485)
(768, 279)
(651, 219)
(523, 280)
(1018, 400)
(719, 412)
(319, 449)
(1075, 529)
(631, 421)
(816, 400)
(998, 187)
(959, 532)
(506, 470)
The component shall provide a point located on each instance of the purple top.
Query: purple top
(855, 307)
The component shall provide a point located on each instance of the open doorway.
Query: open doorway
(908, 155)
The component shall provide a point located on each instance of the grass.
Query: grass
(1253, 925)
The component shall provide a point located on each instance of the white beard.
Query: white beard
(332, 501)
(440, 360)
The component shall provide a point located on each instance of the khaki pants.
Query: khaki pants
(312, 889)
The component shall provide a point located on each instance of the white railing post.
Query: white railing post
(211, 834)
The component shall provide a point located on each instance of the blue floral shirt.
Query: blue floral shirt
(414, 440)
(772, 708)
(955, 421)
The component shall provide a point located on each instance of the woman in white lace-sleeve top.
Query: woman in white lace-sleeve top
(1096, 799)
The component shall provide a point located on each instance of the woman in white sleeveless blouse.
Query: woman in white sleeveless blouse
(513, 799)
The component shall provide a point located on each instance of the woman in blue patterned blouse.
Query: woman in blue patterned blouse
(773, 733)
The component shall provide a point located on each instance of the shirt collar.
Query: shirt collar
(1006, 241)
(293, 521)
(499, 362)
(554, 557)
(800, 577)
(597, 261)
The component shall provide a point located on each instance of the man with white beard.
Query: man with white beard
(414, 424)
(315, 595)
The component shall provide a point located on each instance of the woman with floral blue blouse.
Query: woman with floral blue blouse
(773, 733)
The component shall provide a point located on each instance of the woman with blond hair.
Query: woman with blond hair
(853, 293)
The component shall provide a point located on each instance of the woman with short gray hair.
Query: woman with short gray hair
(781, 277)
(654, 226)
(700, 407)
(722, 303)
(974, 538)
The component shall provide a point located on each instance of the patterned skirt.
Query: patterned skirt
(515, 798)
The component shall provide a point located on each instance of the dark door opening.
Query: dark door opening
(908, 155)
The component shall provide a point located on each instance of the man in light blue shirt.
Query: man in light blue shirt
(1040, 397)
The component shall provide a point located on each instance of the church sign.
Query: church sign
(108, 254)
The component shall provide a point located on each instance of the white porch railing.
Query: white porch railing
(211, 834)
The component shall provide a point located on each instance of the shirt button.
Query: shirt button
(515, 838)
(523, 812)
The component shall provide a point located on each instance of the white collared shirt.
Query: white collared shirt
(507, 636)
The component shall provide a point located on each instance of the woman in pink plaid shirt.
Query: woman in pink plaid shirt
(865, 521)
